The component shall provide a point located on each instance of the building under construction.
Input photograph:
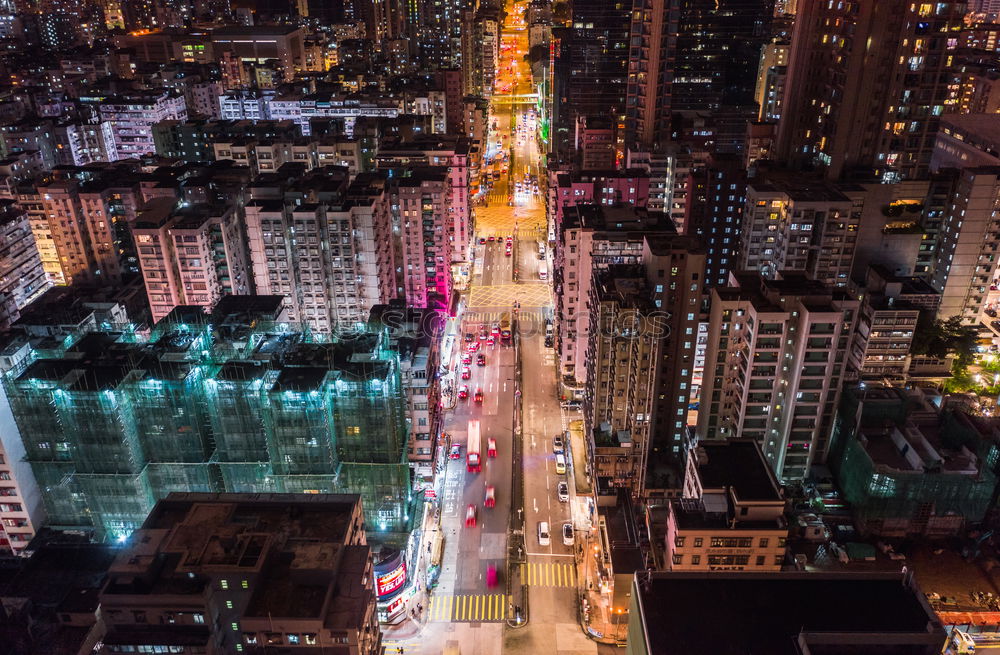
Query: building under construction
(908, 468)
(231, 401)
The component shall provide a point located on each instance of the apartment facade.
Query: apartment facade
(802, 226)
(622, 353)
(776, 359)
(321, 249)
(190, 255)
(427, 235)
(132, 118)
(866, 84)
(966, 263)
(22, 277)
(731, 517)
(591, 237)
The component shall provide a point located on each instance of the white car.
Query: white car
(543, 534)
(567, 532)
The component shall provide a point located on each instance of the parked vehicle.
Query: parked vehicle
(543, 533)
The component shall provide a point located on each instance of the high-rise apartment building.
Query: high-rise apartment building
(591, 237)
(622, 353)
(483, 48)
(591, 66)
(692, 55)
(771, 75)
(966, 265)
(566, 188)
(322, 247)
(427, 237)
(776, 360)
(236, 400)
(639, 362)
(714, 212)
(22, 277)
(801, 225)
(21, 510)
(190, 255)
(866, 84)
(887, 321)
(221, 573)
(80, 229)
(675, 267)
(413, 334)
(132, 118)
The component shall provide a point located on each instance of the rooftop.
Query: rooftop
(769, 613)
(737, 464)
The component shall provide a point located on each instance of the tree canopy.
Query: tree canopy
(939, 338)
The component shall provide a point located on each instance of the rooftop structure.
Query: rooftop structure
(234, 573)
(731, 517)
(787, 613)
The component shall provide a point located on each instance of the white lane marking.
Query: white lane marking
(549, 554)
(534, 502)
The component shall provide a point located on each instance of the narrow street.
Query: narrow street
(510, 281)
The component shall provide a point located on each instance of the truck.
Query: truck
(473, 456)
(505, 328)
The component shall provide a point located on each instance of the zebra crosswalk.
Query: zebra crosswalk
(524, 316)
(549, 574)
(469, 607)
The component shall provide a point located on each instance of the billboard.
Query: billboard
(390, 576)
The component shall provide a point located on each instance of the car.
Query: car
(473, 347)
(567, 533)
(466, 359)
(549, 341)
(470, 516)
(543, 534)
(463, 391)
(491, 496)
(482, 240)
(491, 576)
(481, 359)
(483, 333)
(491, 447)
(479, 396)
(495, 329)
(469, 337)
(466, 372)
(455, 452)
(490, 341)
(560, 464)
(558, 447)
(507, 252)
(491, 238)
(562, 491)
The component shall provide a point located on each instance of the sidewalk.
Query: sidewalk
(595, 615)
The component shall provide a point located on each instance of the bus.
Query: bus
(505, 328)
(472, 453)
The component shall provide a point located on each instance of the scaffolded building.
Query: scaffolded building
(234, 401)
(907, 468)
